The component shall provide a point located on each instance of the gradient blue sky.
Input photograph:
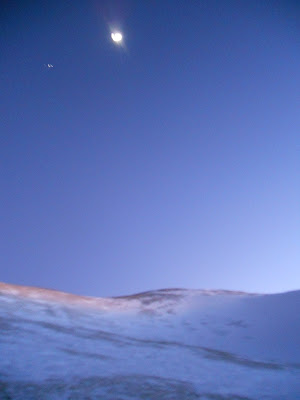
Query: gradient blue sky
(172, 161)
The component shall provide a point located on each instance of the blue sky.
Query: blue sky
(169, 161)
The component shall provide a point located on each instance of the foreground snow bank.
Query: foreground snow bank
(164, 344)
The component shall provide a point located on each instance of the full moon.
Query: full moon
(116, 37)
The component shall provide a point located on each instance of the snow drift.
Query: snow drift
(171, 344)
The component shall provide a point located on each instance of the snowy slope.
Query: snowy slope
(171, 344)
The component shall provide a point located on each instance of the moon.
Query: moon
(117, 37)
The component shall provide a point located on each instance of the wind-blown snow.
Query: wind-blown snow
(171, 344)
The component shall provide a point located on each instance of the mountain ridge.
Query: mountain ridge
(166, 344)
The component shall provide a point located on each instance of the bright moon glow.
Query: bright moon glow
(116, 36)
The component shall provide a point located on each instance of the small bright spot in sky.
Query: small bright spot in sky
(116, 37)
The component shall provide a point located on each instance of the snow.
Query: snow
(164, 344)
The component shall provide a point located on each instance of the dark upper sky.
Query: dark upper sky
(169, 161)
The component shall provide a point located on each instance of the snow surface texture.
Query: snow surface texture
(172, 344)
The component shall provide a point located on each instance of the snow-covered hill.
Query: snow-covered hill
(170, 344)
